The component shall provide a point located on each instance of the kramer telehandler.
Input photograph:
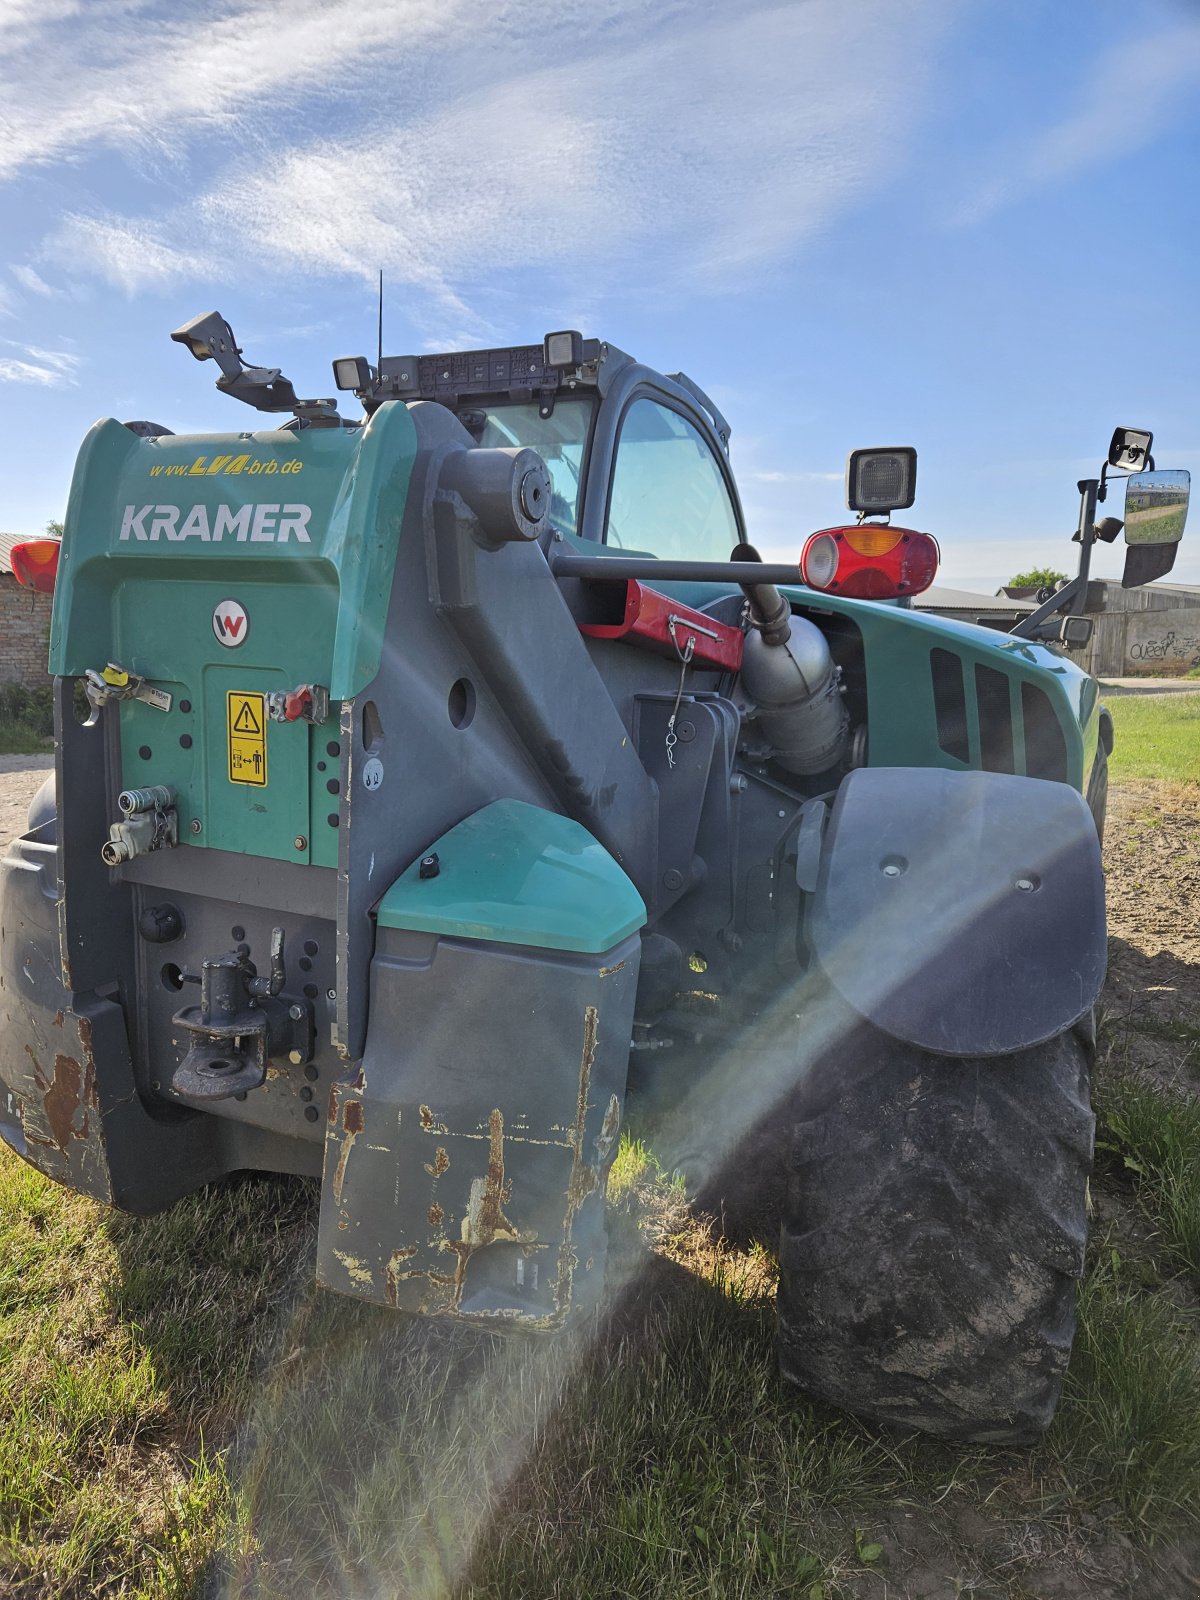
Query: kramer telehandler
(417, 774)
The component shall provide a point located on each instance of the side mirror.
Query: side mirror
(1156, 506)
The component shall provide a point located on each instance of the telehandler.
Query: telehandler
(417, 773)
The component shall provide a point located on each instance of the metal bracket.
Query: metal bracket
(114, 683)
(236, 1026)
(210, 338)
(307, 702)
(149, 822)
(809, 842)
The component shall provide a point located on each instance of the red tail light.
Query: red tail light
(870, 561)
(35, 564)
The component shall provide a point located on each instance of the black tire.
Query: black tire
(934, 1231)
(1097, 789)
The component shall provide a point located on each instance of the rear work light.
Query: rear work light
(35, 564)
(870, 561)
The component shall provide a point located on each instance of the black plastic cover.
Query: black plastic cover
(1145, 562)
(518, 372)
(962, 912)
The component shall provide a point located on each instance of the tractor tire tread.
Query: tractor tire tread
(934, 1231)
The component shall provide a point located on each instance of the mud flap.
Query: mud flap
(68, 1102)
(961, 912)
(467, 1160)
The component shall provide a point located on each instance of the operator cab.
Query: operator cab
(638, 461)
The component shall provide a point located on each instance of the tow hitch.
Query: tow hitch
(238, 1025)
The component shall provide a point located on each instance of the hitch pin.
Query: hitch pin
(674, 622)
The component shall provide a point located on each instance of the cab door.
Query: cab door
(668, 494)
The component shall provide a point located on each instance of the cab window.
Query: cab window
(669, 497)
(560, 439)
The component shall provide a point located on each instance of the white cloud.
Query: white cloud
(427, 202)
(137, 75)
(1130, 96)
(270, 334)
(663, 173)
(35, 365)
(31, 280)
(24, 22)
(128, 253)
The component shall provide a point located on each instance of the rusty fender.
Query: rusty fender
(484, 1200)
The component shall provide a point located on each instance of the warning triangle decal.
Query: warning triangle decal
(246, 721)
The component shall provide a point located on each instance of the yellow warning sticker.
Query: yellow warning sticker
(247, 715)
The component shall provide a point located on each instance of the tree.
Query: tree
(1037, 578)
(54, 530)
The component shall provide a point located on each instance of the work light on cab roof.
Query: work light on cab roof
(873, 560)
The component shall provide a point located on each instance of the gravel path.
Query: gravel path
(1150, 685)
(20, 779)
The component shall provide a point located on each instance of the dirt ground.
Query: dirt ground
(1152, 863)
(20, 779)
(1152, 866)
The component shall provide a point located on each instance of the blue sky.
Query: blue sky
(968, 225)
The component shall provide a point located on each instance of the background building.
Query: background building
(24, 624)
(1154, 631)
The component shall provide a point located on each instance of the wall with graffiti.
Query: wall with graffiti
(1162, 642)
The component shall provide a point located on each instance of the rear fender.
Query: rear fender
(961, 912)
(68, 1101)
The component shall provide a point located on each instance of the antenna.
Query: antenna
(379, 363)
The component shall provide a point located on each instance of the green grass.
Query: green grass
(599, 1463)
(1156, 737)
(121, 1348)
(26, 720)
(179, 1400)
(1155, 1136)
(1128, 1431)
(21, 739)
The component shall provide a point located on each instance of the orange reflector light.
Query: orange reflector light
(873, 538)
(869, 561)
(35, 564)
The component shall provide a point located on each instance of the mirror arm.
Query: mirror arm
(1089, 491)
(1071, 598)
(1068, 599)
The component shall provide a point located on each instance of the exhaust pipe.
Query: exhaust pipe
(789, 672)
